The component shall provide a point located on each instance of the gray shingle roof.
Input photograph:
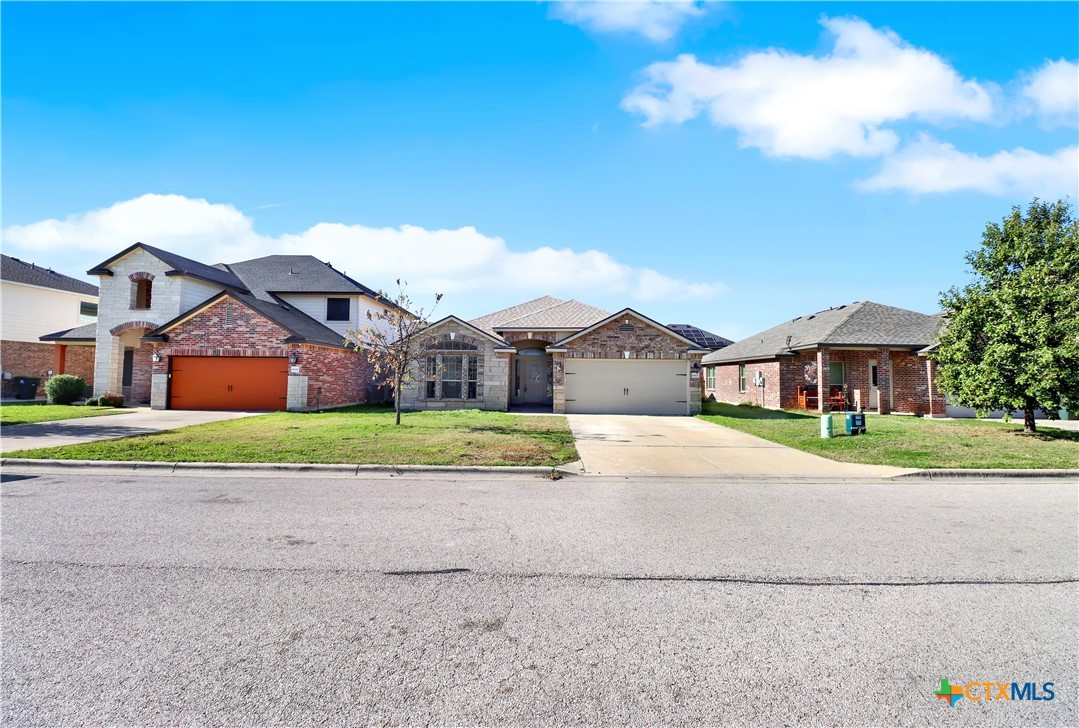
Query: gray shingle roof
(182, 265)
(862, 323)
(295, 274)
(19, 271)
(699, 336)
(546, 312)
(86, 332)
(303, 328)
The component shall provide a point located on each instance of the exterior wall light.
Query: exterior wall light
(155, 357)
(292, 358)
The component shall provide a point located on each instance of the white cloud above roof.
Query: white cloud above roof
(815, 106)
(930, 166)
(656, 21)
(431, 260)
(1053, 92)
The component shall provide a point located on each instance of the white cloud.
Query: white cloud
(790, 105)
(461, 260)
(1053, 91)
(657, 21)
(931, 166)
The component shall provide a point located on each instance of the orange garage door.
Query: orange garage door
(228, 383)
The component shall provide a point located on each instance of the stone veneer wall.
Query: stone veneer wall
(492, 381)
(333, 377)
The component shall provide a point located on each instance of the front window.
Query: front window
(338, 309)
(741, 377)
(711, 377)
(452, 375)
(141, 293)
(835, 373)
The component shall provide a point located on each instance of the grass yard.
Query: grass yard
(21, 414)
(352, 435)
(907, 442)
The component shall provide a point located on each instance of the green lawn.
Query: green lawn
(907, 442)
(21, 414)
(351, 435)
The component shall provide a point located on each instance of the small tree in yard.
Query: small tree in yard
(395, 339)
(1012, 338)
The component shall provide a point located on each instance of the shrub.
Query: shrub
(91, 402)
(111, 400)
(64, 388)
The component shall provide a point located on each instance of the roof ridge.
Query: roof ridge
(529, 313)
(845, 319)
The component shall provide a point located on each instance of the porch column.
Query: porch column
(558, 376)
(884, 382)
(938, 404)
(59, 358)
(823, 365)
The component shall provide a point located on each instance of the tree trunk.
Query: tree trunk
(1028, 418)
(397, 399)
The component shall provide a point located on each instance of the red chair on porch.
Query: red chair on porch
(807, 397)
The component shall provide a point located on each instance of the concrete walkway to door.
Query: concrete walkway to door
(140, 421)
(647, 445)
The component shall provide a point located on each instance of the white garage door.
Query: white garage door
(627, 386)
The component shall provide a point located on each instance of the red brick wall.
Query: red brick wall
(335, 376)
(910, 382)
(25, 359)
(79, 361)
(726, 389)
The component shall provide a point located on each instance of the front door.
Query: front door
(536, 380)
(874, 394)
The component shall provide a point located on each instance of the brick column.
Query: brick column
(884, 382)
(938, 404)
(823, 365)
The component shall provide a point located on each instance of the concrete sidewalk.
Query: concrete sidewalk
(646, 445)
(142, 421)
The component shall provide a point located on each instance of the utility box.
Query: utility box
(825, 426)
(855, 423)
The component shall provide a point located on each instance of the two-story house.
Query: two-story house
(36, 300)
(263, 334)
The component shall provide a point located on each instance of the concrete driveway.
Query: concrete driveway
(648, 445)
(141, 421)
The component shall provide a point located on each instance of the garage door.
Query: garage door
(228, 383)
(626, 386)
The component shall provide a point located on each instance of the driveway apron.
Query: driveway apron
(647, 445)
(142, 421)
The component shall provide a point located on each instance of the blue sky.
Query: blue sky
(728, 165)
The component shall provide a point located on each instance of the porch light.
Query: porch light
(696, 366)
(155, 357)
(292, 358)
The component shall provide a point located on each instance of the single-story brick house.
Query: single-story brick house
(560, 356)
(870, 355)
(35, 300)
(262, 334)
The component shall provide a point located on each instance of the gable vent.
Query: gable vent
(627, 328)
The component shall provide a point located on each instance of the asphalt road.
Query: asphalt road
(152, 600)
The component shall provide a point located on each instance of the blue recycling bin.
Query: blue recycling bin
(855, 423)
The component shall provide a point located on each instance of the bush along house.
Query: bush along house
(859, 356)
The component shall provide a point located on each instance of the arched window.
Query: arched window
(141, 290)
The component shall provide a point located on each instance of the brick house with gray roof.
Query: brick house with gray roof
(262, 334)
(557, 355)
(862, 354)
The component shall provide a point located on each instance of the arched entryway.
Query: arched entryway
(531, 376)
(126, 361)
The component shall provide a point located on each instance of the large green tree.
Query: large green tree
(1012, 336)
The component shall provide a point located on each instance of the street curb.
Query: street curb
(347, 469)
(959, 473)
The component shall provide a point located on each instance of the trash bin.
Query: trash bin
(825, 426)
(855, 423)
(26, 387)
